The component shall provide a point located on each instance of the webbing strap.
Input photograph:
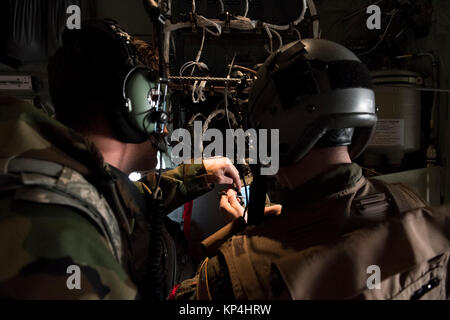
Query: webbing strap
(20, 165)
(51, 183)
(404, 198)
(246, 285)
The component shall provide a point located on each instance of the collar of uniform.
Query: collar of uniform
(132, 198)
(332, 182)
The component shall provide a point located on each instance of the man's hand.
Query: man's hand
(230, 207)
(274, 210)
(221, 171)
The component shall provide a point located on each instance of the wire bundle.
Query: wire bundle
(243, 23)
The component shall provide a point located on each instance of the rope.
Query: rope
(208, 79)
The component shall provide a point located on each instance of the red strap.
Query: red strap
(187, 216)
(173, 293)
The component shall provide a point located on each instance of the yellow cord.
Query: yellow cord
(143, 185)
(206, 278)
(204, 265)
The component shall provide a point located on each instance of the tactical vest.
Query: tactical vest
(47, 182)
(385, 228)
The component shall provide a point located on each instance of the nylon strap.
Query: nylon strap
(246, 285)
(50, 183)
(404, 198)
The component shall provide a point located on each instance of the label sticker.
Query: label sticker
(390, 132)
(19, 83)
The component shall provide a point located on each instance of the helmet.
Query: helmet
(317, 93)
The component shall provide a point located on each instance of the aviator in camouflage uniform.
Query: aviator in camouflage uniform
(51, 221)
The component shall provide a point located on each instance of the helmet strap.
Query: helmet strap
(258, 194)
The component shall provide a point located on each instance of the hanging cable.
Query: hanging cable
(210, 23)
(245, 69)
(197, 62)
(315, 17)
(197, 92)
(214, 115)
(226, 91)
(246, 8)
(192, 120)
(222, 7)
(200, 52)
(239, 23)
(295, 23)
(218, 114)
(299, 35)
(270, 31)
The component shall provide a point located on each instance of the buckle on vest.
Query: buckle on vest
(372, 207)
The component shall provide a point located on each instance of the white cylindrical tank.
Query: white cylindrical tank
(399, 110)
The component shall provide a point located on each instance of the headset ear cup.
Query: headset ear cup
(118, 117)
(121, 128)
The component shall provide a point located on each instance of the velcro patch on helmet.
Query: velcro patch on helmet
(295, 81)
(349, 74)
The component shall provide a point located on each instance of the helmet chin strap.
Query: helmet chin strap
(258, 194)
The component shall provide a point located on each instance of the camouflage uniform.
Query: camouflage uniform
(88, 214)
(331, 231)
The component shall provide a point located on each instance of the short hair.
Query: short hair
(83, 70)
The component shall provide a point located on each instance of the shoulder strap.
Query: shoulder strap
(384, 200)
(404, 198)
(244, 279)
(47, 182)
(211, 245)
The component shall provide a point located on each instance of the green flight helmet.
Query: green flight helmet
(311, 90)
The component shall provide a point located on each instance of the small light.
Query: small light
(135, 176)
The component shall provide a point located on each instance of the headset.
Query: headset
(138, 96)
(144, 95)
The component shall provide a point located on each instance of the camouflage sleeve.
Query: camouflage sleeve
(211, 282)
(180, 185)
(52, 252)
